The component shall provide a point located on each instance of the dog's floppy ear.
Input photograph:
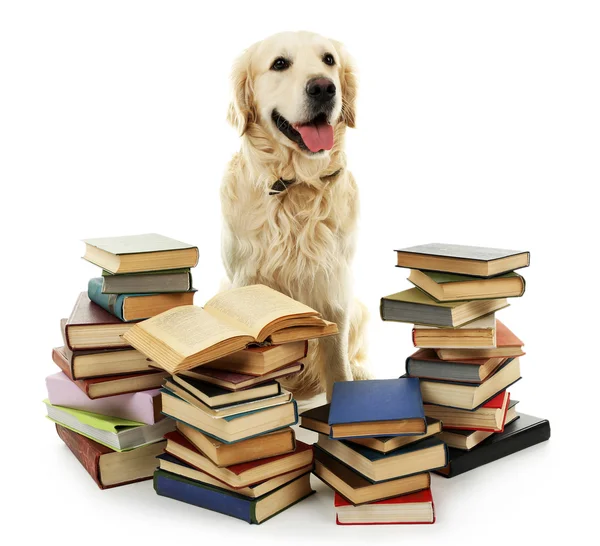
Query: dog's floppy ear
(349, 83)
(242, 110)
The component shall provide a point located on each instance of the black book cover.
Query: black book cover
(522, 433)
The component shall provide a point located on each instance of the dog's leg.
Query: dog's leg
(357, 342)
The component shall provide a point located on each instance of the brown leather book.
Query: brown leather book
(91, 327)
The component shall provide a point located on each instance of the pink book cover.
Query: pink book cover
(143, 406)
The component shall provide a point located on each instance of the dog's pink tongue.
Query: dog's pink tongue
(317, 137)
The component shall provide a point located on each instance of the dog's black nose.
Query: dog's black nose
(320, 89)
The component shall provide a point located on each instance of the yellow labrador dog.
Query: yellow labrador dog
(289, 203)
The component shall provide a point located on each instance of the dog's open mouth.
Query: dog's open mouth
(314, 136)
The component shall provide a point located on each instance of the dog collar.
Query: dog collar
(281, 185)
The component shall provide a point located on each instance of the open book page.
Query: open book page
(254, 307)
(190, 329)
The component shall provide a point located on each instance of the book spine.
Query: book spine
(222, 501)
(65, 366)
(87, 451)
(113, 303)
(414, 337)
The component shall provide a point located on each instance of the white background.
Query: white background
(478, 123)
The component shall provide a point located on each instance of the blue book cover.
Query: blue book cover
(377, 400)
(220, 500)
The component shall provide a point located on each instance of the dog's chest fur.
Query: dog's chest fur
(293, 241)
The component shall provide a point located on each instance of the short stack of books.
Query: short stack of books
(467, 358)
(234, 450)
(375, 449)
(105, 400)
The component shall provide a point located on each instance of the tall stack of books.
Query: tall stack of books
(105, 400)
(234, 450)
(466, 358)
(375, 449)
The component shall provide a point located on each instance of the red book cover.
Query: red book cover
(505, 338)
(236, 469)
(423, 496)
(501, 400)
(59, 358)
(85, 384)
(235, 378)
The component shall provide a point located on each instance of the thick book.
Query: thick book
(507, 345)
(241, 474)
(260, 447)
(425, 364)
(317, 420)
(428, 454)
(261, 360)
(113, 432)
(171, 464)
(522, 433)
(218, 397)
(480, 333)
(462, 259)
(142, 407)
(238, 408)
(91, 327)
(413, 305)
(229, 322)
(138, 253)
(380, 407)
(229, 503)
(468, 439)
(131, 307)
(407, 509)
(469, 396)
(235, 427)
(489, 417)
(236, 382)
(107, 467)
(178, 280)
(106, 362)
(357, 489)
(451, 287)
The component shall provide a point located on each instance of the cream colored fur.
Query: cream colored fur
(300, 242)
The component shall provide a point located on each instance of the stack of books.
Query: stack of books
(234, 450)
(466, 358)
(105, 400)
(376, 448)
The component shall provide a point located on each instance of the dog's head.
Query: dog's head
(296, 85)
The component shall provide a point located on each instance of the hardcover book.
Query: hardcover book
(237, 382)
(233, 428)
(426, 365)
(480, 333)
(178, 280)
(91, 327)
(110, 468)
(131, 307)
(413, 305)
(357, 489)
(232, 504)
(489, 417)
(260, 447)
(113, 432)
(413, 508)
(385, 407)
(139, 253)
(462, 259)
(423, 456)
(469, 396)
(171, 464)
(317, 420)
(508, 345)
(142, 407)
(228, 323)
(522, 433)
(451, 287)
(242, 474)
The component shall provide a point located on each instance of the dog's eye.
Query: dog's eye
(281, 63)
(328, 59)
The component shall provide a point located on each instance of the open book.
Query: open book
(187, 336)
